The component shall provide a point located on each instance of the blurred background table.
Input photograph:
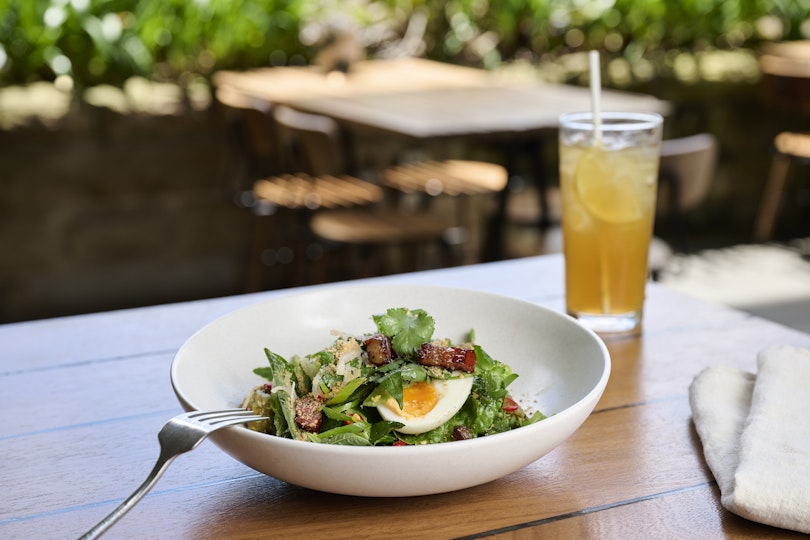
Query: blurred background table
(393, 106)
(84, 397)
(424, 99)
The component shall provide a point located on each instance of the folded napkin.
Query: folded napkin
(755, 431)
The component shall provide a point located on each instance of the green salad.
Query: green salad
(396, 386)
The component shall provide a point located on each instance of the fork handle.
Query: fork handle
(102, 526)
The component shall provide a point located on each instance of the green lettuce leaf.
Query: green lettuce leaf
(390, 386)
(346, 439)
(382, 432)
(276, 372)
(345, 393)
(495, 376)
(284, 417)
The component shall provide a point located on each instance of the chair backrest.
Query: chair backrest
(687, 170)
(793, 144)
(313, 143)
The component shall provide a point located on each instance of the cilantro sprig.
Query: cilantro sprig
(408, 329)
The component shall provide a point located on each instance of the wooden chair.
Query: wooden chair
(297, 197)
(789, 148)
(382, 238)
(786, 91)
(260, 175)
(453, 177)
(252, 150)
(686, 173)
(468, 184)
(380, 241)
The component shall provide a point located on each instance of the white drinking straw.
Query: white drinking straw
(596, 95)
(596, 102)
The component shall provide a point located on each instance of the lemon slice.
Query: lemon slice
(606, 186)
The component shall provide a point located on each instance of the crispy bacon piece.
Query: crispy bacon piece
(308, 413)
(461, 433)
(453, 358)
(379, 349)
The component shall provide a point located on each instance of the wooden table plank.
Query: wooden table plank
(53, 343)
(660, 368)
(688, 514)
(99, 464)
(133, 332)
(35, 402)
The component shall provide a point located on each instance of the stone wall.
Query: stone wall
(108, 210)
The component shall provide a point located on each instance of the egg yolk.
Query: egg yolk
(418, 399)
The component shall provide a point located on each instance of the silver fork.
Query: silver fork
(180, 435)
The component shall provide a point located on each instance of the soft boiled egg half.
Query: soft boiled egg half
(427, 404)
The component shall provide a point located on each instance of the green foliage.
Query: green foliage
(534, 28)
(107, 41)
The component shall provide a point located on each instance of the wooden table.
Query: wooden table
(83, 398)
(418, 101)
(422, 99)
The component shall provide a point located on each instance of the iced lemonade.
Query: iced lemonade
(608, 204)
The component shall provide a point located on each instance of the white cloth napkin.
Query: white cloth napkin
(755, 431)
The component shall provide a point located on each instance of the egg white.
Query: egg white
(452, 393)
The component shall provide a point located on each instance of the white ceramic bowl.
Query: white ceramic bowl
(563, 369)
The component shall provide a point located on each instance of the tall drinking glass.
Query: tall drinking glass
(608, 178)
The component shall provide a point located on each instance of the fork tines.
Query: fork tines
(233, 416)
